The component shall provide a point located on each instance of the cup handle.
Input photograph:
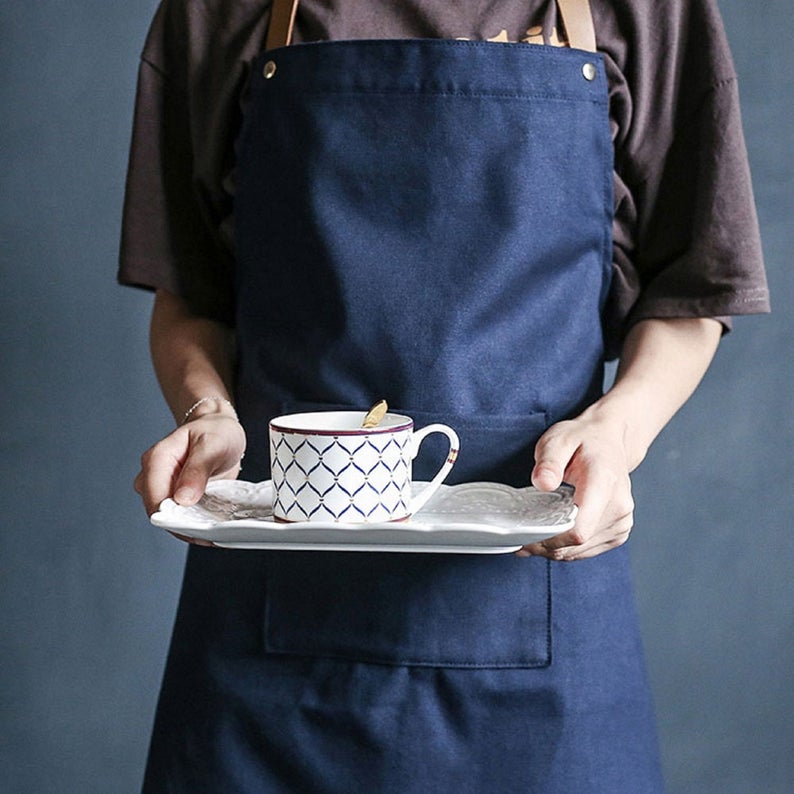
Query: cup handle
(418, 502)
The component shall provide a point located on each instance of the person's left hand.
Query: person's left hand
(589, 453)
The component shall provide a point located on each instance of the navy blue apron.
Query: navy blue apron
(427, 221)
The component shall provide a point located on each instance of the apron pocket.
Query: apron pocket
(493, 448)
(431, 610)
(428, 610)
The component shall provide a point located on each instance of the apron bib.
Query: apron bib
(427, 221)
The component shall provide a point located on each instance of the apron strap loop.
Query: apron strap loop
(578, 21)
(576, 16)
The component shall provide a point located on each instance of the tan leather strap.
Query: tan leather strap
(282, 21)
(578, 21)
(576, 16)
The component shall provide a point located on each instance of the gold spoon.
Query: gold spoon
(375, 414)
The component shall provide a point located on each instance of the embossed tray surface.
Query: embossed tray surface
(478, 518)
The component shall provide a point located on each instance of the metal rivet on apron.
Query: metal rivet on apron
(269, 69)
(588, 70)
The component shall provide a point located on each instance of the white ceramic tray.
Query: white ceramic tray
(474, 518)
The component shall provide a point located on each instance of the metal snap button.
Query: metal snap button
(588, 70)
(269, 69)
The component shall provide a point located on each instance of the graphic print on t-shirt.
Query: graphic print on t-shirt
(533, 35)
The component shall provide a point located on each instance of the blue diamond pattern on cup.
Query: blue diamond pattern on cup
(346, 477)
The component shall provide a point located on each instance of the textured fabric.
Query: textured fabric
(685, 235)
(234, 718)
(388, 247)
(416, 259)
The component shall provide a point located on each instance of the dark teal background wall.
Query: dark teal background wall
(88, 588)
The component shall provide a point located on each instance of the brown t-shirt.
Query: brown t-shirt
(686, 240)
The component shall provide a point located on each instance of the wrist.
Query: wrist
(214, 405)
(620, 420)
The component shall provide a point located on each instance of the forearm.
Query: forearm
(662, 363)
(193, 357)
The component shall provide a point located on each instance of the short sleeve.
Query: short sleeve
(699, 249)
(177, 219)
(166, 242)
(687, 242)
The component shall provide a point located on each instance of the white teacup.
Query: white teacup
(326, 467)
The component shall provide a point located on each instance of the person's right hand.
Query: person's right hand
(179, 466)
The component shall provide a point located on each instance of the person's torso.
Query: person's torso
(427, 221)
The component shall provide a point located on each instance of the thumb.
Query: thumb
(214, 449)
(547, 475)
(196, 471)
(553, 453)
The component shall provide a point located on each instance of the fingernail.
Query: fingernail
(540, 474)
(185, 495)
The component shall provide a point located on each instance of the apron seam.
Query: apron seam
(354, 91)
